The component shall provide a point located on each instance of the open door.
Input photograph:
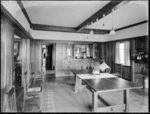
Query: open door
(49, 60)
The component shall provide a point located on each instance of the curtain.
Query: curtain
(127, 53)
(117, 58)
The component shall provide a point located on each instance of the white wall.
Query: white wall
(139, 30)
(14, 9)
(49, 35)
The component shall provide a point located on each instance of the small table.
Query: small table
(99, 85)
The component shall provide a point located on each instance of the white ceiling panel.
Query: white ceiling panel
(61, 13)
(131, 13)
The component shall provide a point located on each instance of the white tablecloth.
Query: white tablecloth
(91, 76)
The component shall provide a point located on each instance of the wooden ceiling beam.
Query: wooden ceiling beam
(24, 11)
(107, 9)
(66, 29)
(19, 29)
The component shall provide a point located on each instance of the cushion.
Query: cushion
(103, 66)
(34, 89)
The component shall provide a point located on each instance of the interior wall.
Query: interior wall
(54, 55)
(137, 67)
(109, 55)
(62, 64)
(7, 36)
(59, 59)
(64, 36)
(37, 56)
(32, 55)
(24, 59)
(28, 60)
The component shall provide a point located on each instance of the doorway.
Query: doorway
(48, 58)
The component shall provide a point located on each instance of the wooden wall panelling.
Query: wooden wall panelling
(24, 59)
(141, 42)
(59, 59)
(7, 35)
(109, 55)
(132, 61)
(126, 72)
(102, 50)
(118, 69)
(37, 56)
(54, 56)
(138, 76)
(32, 55)
(28, 60)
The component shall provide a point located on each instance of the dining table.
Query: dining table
(104, 82)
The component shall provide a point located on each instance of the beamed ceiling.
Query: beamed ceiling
(84, 16)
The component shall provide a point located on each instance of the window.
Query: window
(121, 46)
(123, 53)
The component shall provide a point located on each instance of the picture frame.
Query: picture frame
(16, 48)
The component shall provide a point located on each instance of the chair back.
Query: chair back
(11, 99)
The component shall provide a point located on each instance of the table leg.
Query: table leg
(75, 83)
(78, 84)
(94, 101)
(126, 100)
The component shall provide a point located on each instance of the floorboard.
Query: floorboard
(59, 96)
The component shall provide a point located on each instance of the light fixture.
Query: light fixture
(103, 20)
(96, 32)
(91, 32)
(112, 31)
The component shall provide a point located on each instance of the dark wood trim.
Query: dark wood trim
(67, 41)
(19, 30)
(24, 11)
(73, 30)
(66, 29)
(125, 39)
(102, 100)
(142, 22)
(107, 9)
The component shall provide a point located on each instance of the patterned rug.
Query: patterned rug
(47, 99)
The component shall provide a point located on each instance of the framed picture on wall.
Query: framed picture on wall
(69, 51)
(16, 49)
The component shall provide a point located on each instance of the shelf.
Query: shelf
(78, 51)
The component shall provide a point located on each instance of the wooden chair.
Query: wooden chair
(31, 93)
(38, 76)
(11, 97)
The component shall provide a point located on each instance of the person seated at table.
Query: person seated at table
(101, 67)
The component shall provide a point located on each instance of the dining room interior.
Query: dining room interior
(75, 56)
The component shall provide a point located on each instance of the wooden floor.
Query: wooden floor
(61, 97)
